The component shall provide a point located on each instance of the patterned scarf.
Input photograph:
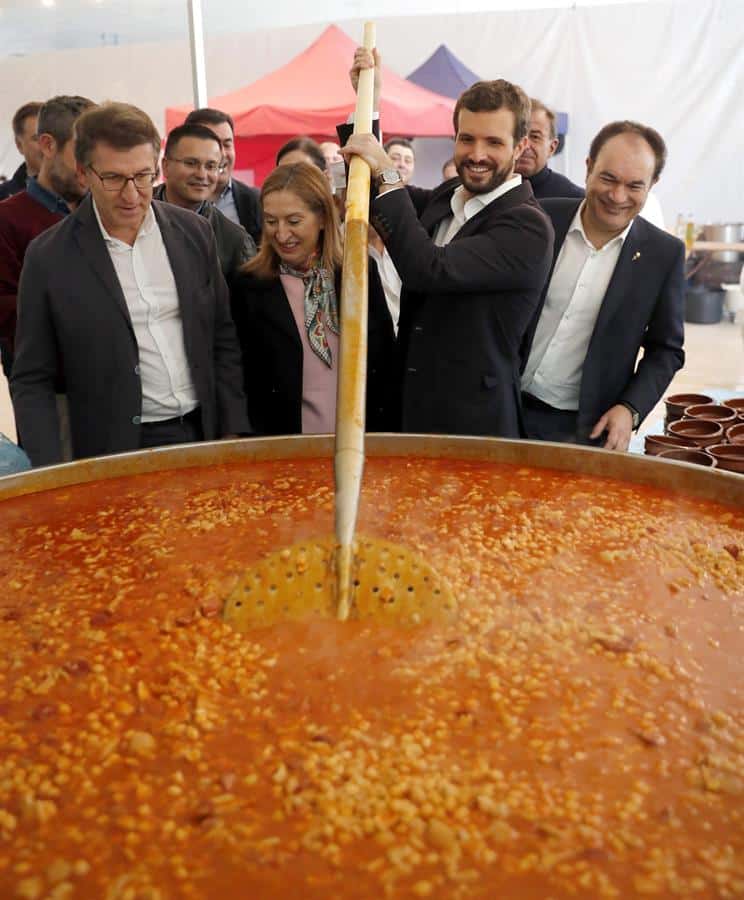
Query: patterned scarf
(321, 307)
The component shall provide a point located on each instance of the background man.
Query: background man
(472, 257)
(239, 202)
(542, 142)
(330, 151)
(400, 150)
(449, 170)
(46, 199)
(191, 164)
(25, 137)
(617, 286)
(126, 297)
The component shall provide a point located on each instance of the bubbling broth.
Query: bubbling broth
(576, 731)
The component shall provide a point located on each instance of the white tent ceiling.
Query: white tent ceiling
(34, 26)
(675, 64)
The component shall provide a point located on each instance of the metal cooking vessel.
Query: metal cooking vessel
(731, 233)
(686, 478)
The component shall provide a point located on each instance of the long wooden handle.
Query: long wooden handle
(352, 374)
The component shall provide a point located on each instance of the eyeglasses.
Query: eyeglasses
(195, 164)
(116, 183)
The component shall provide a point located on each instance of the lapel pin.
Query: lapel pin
(636, 255)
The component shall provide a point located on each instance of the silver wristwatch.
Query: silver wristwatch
(389, 176)
(634, 413)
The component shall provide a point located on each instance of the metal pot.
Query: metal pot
(598, 649)
(730, 233)
(723, 488)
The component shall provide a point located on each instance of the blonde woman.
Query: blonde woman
(286, 310)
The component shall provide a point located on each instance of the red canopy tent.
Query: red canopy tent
(310, 95)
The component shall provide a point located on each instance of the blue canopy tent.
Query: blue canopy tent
(447, 75)
(444, 74)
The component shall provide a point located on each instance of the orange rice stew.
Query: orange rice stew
(577, 731)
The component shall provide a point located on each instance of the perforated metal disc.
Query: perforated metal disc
(297, 582)
(390, 584)
(393, 584)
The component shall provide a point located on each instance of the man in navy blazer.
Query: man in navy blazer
(616, 287)
(472, 255)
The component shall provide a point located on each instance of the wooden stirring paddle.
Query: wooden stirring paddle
(364, 577)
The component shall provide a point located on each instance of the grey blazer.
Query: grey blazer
(74, 325)
(234, 245)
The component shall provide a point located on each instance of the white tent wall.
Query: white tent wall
(676, 66)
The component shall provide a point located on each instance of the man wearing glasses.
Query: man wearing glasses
(239, 202)
(127, 299)
(191, 165)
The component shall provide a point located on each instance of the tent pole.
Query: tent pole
(198, 65)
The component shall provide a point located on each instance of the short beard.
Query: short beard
(498, 177)
(66, 185)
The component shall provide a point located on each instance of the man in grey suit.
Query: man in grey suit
(124, 301)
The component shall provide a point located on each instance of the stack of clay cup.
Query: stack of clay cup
(698, 430)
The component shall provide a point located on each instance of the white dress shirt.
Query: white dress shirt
(146, 279)
(575, 294)
(464, 208)
(391, 282)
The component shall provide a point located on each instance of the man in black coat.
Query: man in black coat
(542, 143)
(191, 164)
(616, 287)
(473, 256)
(26, 140)
(124, 299)
(239, 202)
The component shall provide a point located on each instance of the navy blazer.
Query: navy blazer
(15, 184)
(273, 354)
(643, 308)
(465, 307)
(73, 320)
(547, 183)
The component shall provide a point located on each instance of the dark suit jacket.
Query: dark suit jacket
(248, 204)
(234, 245)
(15, 184)
(547, 183)
(72, 315)
(273, 355)
(643, 308)
(464, 307)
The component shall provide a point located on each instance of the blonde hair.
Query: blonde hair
(312, 187)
